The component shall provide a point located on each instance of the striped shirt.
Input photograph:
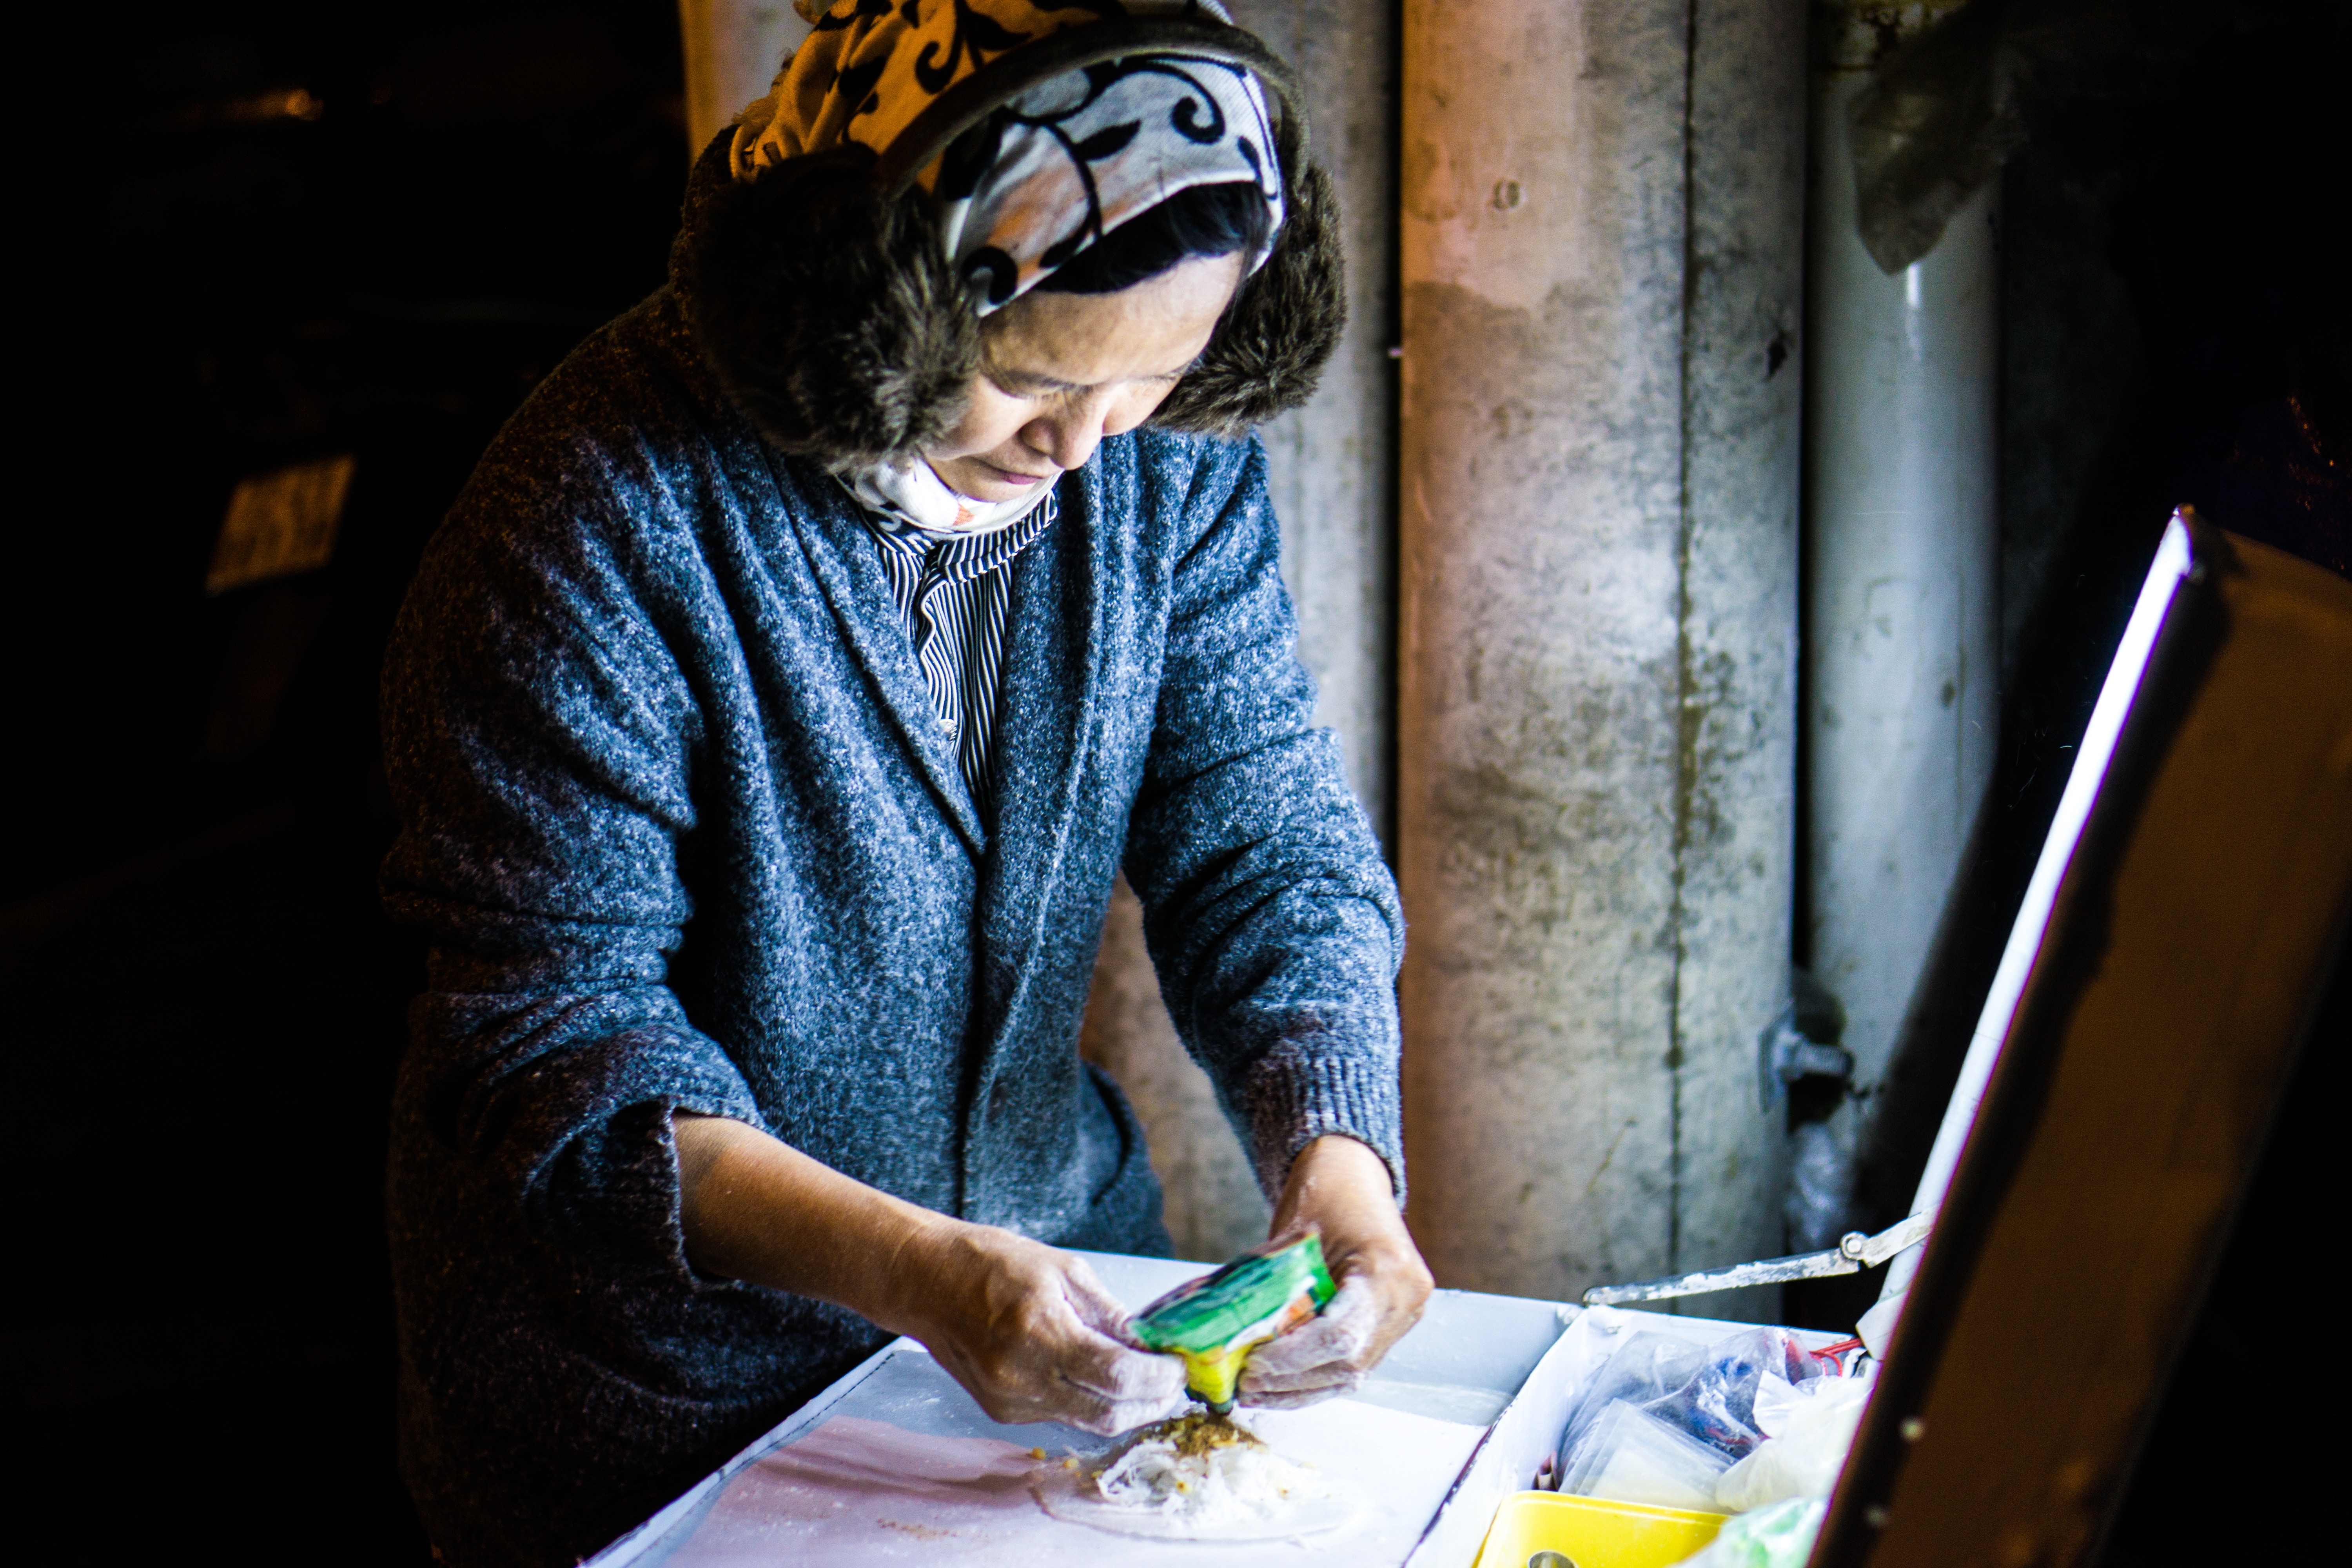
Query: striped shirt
(952, 592)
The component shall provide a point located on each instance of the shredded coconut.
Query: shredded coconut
(1202, 1477)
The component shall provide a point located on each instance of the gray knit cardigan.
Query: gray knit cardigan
(684, 832)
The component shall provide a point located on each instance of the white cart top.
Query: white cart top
(895, 1463)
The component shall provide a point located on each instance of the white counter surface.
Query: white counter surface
(895, 1463)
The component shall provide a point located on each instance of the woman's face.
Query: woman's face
(1065, 370)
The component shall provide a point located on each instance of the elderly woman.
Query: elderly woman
(769, 722)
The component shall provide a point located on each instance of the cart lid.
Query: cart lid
(2150, 1006)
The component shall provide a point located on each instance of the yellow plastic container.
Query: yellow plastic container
(1593, 1532)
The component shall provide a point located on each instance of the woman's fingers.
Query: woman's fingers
(1344, 1187)
(1108, 1362)
(1039, 1338)
(1099, 1399)
(1317, 1360)
(1341, 1336)
(1108, 1370)
(1325, 1367)
(1330, 1355)
(1126, 1385)
(1104, 1387)
(1093, 1303)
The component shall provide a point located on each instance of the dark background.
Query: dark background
(205, 1007)
(2174, 331)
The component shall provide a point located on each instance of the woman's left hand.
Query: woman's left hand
(1343, 1186)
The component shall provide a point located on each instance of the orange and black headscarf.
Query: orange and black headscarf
(1042, 176)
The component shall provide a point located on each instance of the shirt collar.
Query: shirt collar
(962, 556)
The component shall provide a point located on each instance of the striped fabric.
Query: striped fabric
(952, 592)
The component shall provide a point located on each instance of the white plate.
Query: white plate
(1069, 1495)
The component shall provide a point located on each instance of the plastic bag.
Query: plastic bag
(1705, 1392)
(1808, 1428)
(1632, 1456)
(1780, 1536)
(1716, 1405)
(1698, 1406)
(1645, 1366)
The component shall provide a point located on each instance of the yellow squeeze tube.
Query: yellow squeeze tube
(1215, 1321)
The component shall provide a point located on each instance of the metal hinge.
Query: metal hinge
(1800, 1043)
(1854, 1253)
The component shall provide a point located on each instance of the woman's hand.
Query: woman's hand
(1343, 1186)
(1029, 1332)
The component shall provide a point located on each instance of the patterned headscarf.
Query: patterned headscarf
(1050, 173)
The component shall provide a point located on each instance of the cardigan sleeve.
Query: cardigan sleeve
(538, 738)
(1271, 917)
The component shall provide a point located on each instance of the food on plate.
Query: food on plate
(1201, 1477)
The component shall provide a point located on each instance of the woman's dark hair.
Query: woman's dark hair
(821, 293)
(1199, 220)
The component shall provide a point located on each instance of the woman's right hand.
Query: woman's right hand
(1028, 1330)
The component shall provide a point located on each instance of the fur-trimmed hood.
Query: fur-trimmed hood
(832, 316)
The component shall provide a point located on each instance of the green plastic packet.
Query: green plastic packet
(1778, 1535)
(1215, 1322)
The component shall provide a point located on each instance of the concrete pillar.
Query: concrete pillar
(1903, 652)
(1333, 478)
(1334, 461)
(1213, 1205)
(1601, 264)
(733, 49)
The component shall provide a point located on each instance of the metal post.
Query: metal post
(1902, 569)
(1333, 462)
